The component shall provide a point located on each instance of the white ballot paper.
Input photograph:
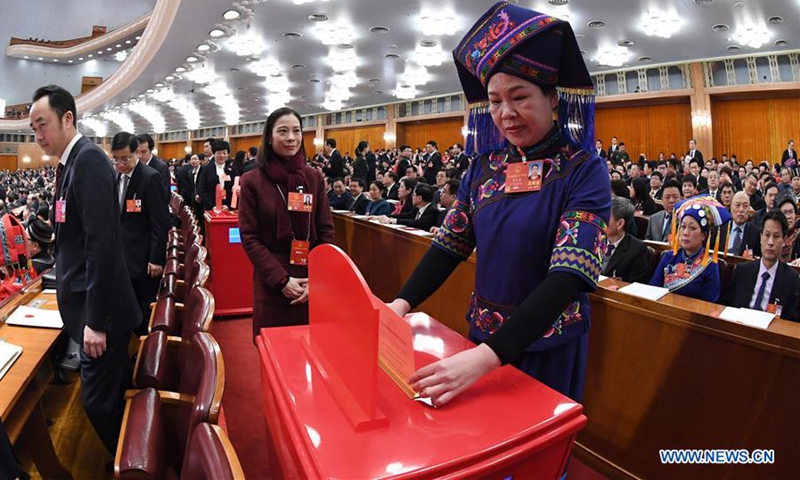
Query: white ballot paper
(747, 316)
(644, 291)
(35, 317)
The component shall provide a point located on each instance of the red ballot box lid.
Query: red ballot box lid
(504, 419)
(221, 215)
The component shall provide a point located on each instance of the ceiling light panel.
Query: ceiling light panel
(333, 34)
(435, 23)
(613, 57)
(752, 35)
(661, 24)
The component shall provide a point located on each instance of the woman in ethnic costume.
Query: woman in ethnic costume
(690, 269)
(539, 250)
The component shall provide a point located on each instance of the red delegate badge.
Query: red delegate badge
(61, 211)
(524, 177)
(299, 254)
(133, 205)
(301, 202)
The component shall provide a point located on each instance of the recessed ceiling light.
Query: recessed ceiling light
(90, 55)
(579, 36)
(392, 46)
(109, 49)
(625, 43)
(99, 52)
(432, 92)
(241, 87)
(127, 42)
(292, 35)
(119, 45)
(720, 27)
(428, 43)
(232, 15)
(235, 69)
(374, 80)
(203, 47)
(738, 5)
(159, 85)
(216, 33)
(645, 59)
(704, 2)
(776, 20)
(734, 48)
(141, 95)
(41, 58)
(180, 69)
(55, 59)
(558, 2)
(781, 43)
(138, 37)
(597, 24)
(192, 59)
(393, 56)
(313, 80)
(379, 92)
(299, 65)
(25, 57)
(80, 59)
(319, 17)
(169, 78)
(379, 29)
(583, 52)
(346, 46)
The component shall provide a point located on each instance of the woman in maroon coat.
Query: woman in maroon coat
(269, 230)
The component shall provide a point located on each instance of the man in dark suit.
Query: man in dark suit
(745, 237)
(144, 221)
(433, 163)
(186, 178)
(425, 214)
(250, 163)
(660, 226)
(694, 153)
(390, 182)
(767, 284)
(145, 154)
(95, 297)
(335, 168)
(218, 172)
(626, 255)
(341, 199)
(751, 189)
(403, 161)
(372, 164)
(789, 157)
(598, 149)
(461, 158)
(359, 203)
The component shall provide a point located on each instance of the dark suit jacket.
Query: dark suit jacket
(144, 234)
(372, 167)
(785, 156)
(207, 181)
(785, 288)
(432, 166)
(359, 205)
(163, 170)
(602, 153)
(391, 192)
(629, 261)
(462, 162)
(426, 220)
(93, 285)
(249, 165)
(183, 177)
(335, 168)
(360, 168)
(698, 155)
(751, 238)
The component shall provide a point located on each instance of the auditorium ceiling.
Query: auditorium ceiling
(224, 63)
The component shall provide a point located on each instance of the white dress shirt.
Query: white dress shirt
(68, 150)
(768, 290)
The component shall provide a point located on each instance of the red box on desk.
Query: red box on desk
(507, 424)
(231, 280)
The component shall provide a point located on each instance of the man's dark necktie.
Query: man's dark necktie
(760, 294)
(59, 170)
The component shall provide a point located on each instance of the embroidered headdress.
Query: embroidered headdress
(709, 213)
(535, 47)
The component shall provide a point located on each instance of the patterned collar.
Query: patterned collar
(548, 147)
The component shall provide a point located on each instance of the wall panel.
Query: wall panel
(244, 143)
(757, 129)
(347, 138)
(647, 129)
(445, 132)
(172, 150)
(8, 162)
(308, 143)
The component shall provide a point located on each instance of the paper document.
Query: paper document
(49, 291)
(8, 355)
(644, 291)
(747, 316)
(35, 317)
(601, 278)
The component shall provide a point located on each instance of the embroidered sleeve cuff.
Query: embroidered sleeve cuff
(456, 235)
(580, 241)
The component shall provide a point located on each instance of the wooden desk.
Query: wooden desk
(664, 374)
(25, 382)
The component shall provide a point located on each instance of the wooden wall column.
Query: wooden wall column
(701, 101)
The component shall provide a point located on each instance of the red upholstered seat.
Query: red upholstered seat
(180, 278)
(166, 424)
(210, 456)
(163, 359)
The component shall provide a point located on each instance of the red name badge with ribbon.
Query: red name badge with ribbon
(134, 205)
(524, 177)
(775, 309)
(301, 202)
(61, 211)
(299, 253)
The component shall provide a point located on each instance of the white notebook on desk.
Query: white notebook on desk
(35, 317)
(9, 353)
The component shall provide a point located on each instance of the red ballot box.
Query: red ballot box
(331, 412)
(231, 280)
